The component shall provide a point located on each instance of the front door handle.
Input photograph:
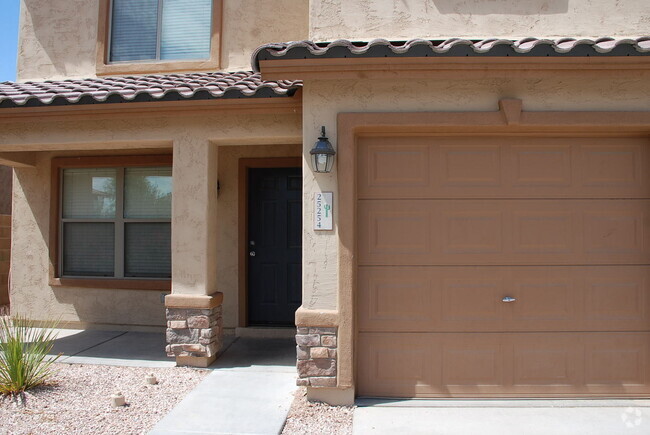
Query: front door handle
(508, 299)
(252, 253)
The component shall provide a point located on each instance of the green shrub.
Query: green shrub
(24, 350)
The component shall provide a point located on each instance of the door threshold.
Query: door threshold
(266, 332)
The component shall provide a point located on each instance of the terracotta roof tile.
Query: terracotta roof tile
(201, 86)
(453, 47)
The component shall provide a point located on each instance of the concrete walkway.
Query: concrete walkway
(502, 417)
(249, 391)
(115, 348)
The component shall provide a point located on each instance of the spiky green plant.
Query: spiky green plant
(24, 350)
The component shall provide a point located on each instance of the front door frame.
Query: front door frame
(245, 164)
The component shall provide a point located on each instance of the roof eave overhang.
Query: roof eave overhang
(243, 105)
(453, 67)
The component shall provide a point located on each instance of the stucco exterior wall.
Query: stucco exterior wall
(31, 292)
(441, 19)
(227, 262)
(58, 38)
(247, 24)
(323, 100)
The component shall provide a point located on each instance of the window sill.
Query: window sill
(157, 67)
(114, 284)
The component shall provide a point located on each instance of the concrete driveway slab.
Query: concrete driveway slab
(504, 418)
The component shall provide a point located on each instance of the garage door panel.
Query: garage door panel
(471, 363)
(488, 167)
(614, 165)
(617, 296)
(545, 232)
(503, 364)
(402, 299)
(472, 232)
(405, 365)
(469, 165)
(546, 359)
(617, 359)
(542, 166)
(550, 298)
(446, 232)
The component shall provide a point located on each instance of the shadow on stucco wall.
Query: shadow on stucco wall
(510, 7)
(6, 174)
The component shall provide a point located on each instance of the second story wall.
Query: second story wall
(509, 19)
(58, 39)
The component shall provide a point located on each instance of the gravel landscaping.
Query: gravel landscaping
(78, 401)
(317, 418)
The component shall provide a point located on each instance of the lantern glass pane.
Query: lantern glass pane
(330, 163)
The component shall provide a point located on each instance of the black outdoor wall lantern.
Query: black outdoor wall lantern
(322, 155)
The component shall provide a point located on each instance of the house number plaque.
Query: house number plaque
(323, 219)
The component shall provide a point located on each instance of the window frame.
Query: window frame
(56, 222)
(105, 67)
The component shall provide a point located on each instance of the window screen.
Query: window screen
(160, 30)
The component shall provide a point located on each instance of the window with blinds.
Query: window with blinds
(116, 222)
(151, 30)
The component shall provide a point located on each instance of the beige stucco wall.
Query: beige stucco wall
(323, 100)
(193, 137)
(441, 19)
(58, 38)
(247, 24)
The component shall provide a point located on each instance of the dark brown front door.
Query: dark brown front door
(274, 245)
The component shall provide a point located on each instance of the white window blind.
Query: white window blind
(160, 30)
(186, 29)
(134, 30)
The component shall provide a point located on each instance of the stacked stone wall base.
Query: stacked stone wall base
(193, 332)
(317, 356)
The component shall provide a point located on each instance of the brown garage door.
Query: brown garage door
(503, 267)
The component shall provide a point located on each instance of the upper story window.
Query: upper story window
(160, 30)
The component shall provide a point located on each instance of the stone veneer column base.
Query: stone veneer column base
(317, 356)
(194, 328)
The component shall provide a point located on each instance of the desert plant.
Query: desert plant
(24, 350)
